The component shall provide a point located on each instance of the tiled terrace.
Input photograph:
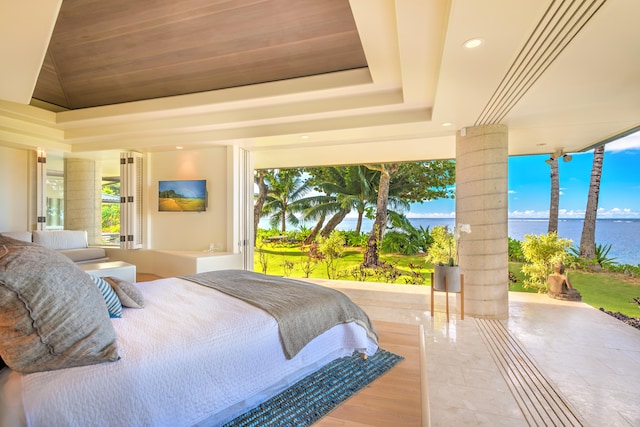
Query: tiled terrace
(550, 363)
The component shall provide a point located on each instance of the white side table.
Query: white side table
(119, 269)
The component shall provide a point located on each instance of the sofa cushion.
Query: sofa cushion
(24, 236)
(61, 239)
(52, 315)
(92, 254)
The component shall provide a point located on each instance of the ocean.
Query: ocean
(622, 234)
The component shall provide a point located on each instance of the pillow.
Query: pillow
(130, 296)
(110, 298)
(52, 316)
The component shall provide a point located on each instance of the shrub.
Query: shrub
(332, 248)
(263, 259)
(541, 252)
(310, 262)
(415, 277)
(400, 243)
(287, 267)
(515, 250)
(443, 249)
(353, 239)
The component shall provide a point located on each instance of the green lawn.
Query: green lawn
(613, 292)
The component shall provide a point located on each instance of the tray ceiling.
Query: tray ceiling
(115, 51)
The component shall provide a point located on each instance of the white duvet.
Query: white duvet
(192, 356)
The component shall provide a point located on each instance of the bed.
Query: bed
(192, 356)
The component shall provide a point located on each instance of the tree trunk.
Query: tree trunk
(372, 255)
(312, 236)
(555, 196)
(334, 221)
(257, 207)
(359, 223)
(588, 238)
(283, 222)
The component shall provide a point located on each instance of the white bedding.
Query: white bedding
(192, 356)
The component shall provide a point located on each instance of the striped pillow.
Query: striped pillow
(110, 298)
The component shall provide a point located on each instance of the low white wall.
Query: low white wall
(170, 263)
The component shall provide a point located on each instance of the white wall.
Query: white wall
(190, 231)
(14, 189)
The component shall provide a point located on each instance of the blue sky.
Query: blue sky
(530, 185)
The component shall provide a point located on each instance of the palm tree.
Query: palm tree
(555, 194)
(345, 188)
(259, 178)
(588, 238)
(285, 197)
(408, 182)
(371, 255)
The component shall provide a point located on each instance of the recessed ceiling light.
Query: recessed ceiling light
(472, 43)
(447, 124)
(179, 148)
(304, 136)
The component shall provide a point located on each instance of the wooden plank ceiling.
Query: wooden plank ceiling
(113, 51)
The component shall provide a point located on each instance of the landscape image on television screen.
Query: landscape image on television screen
(182, 196)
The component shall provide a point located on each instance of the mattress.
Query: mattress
(192, 356)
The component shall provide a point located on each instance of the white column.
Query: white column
(482, 202)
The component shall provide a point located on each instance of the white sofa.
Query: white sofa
(72, 243)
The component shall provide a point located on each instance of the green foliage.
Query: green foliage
(399, 242)
(354, 239)
(443, 249)
(111, 218)
(331, 247)
(541, 252)
(628, 269)
(601, 259)
(515, 250)
(387, 273)
(403, 238)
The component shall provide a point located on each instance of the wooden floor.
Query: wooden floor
(395, 399)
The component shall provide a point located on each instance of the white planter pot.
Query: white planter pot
(448, 273)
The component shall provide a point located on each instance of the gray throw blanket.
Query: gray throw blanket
(303, 310)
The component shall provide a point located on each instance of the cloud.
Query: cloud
(512, 191)
(431, 214)
(614, 213)
(630, 142)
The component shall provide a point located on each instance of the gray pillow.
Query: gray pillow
(129, 295)
(52, 316)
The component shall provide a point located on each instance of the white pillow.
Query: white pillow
(61, 239)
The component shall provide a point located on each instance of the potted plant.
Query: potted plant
(443, 255)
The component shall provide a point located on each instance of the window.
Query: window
(111, 210)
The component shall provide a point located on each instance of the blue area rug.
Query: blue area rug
(314, 396)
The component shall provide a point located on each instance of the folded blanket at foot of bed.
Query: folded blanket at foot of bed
(303, 310)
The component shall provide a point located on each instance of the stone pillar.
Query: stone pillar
(83, 198)
(482, 202)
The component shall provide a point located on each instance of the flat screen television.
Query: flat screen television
(182, 195)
